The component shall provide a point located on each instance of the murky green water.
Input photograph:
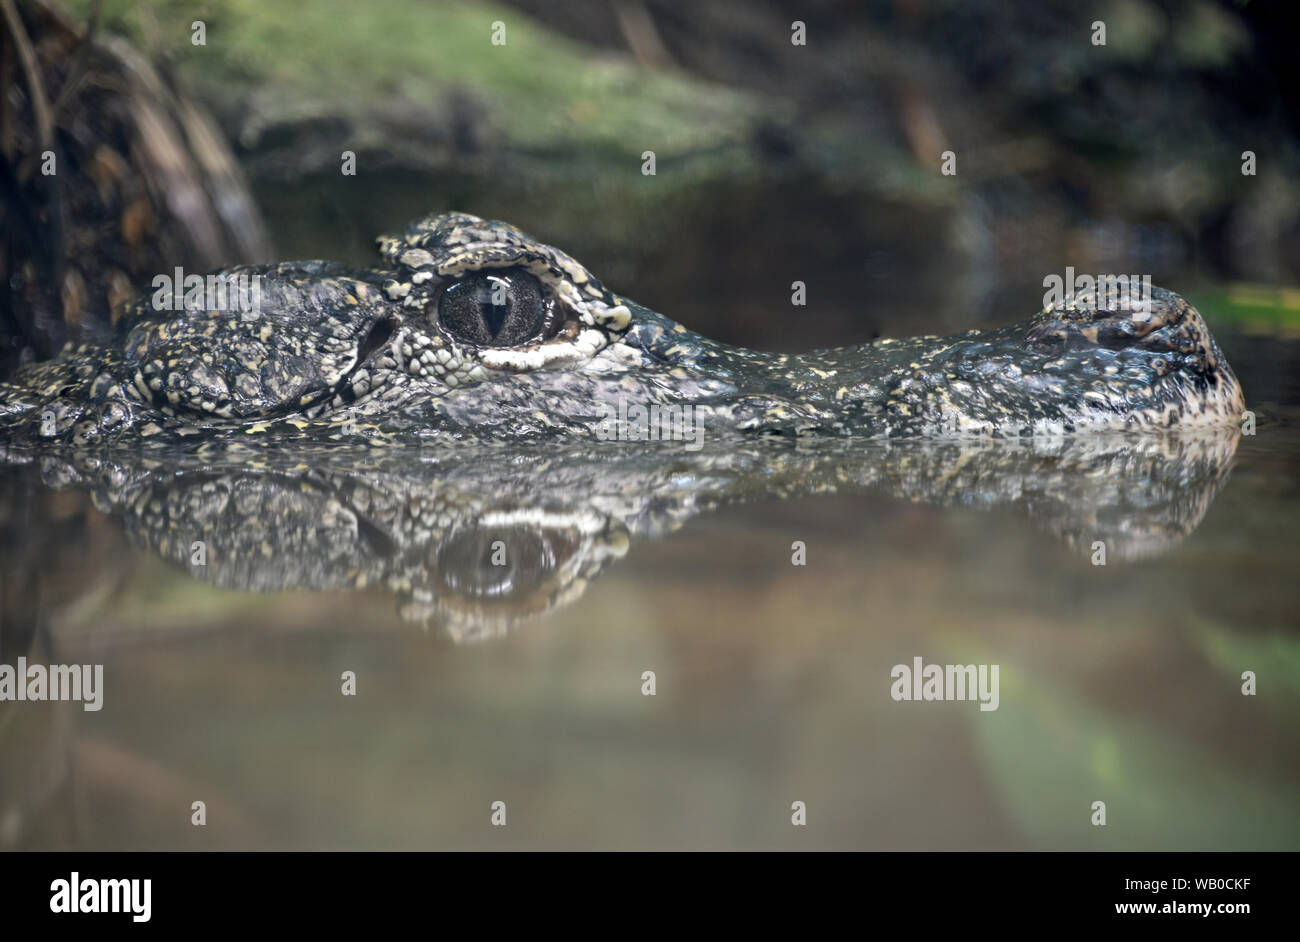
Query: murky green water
(525, 684)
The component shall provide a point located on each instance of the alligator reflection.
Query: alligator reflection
(476, 540)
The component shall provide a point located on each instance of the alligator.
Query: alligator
(472, 331)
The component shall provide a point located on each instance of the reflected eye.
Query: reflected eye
(501, 563)
(506, 308)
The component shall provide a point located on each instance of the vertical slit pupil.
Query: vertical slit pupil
(502, 308)
(496, 303)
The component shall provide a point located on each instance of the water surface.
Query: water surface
(1119, 683)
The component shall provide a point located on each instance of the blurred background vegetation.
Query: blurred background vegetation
(775, 162)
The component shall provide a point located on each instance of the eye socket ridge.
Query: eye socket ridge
(504, 307)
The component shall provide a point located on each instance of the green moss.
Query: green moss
(1258, 308)
(543, 91)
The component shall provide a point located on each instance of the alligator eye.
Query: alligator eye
(506, 308)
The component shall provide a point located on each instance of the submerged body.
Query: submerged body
(472, 330)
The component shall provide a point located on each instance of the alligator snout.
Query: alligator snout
(1160, 322)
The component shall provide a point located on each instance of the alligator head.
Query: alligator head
(473, 330)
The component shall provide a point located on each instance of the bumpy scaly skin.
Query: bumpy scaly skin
(342, 355)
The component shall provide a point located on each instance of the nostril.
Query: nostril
(1045, 339)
